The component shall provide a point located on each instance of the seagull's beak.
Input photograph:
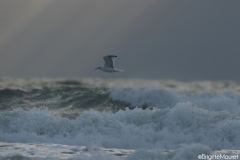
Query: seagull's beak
(96, 68)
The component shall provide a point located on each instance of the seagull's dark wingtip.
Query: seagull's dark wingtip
(112, 56)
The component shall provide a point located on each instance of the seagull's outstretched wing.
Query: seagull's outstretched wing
(109, 61)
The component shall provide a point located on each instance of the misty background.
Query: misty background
(162, 39)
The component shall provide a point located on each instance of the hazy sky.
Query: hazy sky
(166, 39)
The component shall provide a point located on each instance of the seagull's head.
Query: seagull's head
(97, 68)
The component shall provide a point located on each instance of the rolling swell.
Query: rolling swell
(8, 97)
(80, 95)
(68, 94)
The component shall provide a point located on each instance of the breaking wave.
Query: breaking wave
(166, 128)
(163, 98)
(124, 117)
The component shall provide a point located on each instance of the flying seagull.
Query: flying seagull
(108, 67)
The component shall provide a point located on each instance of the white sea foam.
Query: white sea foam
(160, 98)
(131, 129)
(188, 152)
(48, 151)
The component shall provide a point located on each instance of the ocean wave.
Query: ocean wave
(160, 98)
(110, 116)
(130, 129)
(113, 95)
(164, 98)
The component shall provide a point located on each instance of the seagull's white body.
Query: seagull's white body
(104, 69)
(108, 67)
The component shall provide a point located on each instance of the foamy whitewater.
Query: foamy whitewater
(120, 119)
